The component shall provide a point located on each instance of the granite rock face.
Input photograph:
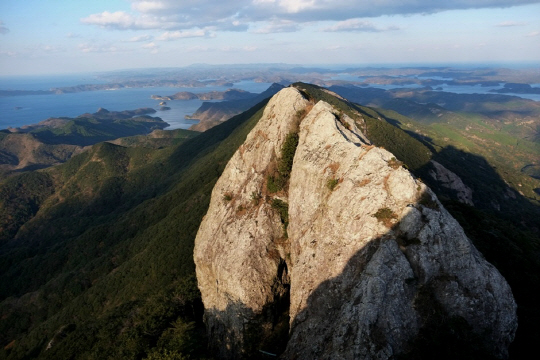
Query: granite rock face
(372, 260)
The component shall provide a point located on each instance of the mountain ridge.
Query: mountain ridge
(361, 248)
(125, 287)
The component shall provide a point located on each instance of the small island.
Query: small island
(230, 94)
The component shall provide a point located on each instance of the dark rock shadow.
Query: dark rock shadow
(384, 302)
(490, 192)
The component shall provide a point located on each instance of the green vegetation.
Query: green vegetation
(318, 93)
(412, 152)
(394, 163)
(386, 216)
(406, 148)
(287, 154)
(283, 210)
(90, 130)
(332, 183)
(96, 254)
(278, 180)
(159, 139)
(111, 232)
(256, 198)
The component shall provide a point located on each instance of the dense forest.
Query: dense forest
(96, 254)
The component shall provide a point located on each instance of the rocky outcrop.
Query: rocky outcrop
(449, 180)
(369, 263)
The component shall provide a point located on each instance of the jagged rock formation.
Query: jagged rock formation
(370, 260)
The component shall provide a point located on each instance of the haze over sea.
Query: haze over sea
(17, 111)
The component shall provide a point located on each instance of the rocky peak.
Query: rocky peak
(349, 256)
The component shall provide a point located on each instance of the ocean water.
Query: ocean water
(458, 89)
(16, 111)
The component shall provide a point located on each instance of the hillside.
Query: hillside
(112, 233)
(110, 220)
(55, 140)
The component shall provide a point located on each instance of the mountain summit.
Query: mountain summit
(318, 244)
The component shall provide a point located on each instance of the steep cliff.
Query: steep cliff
(344, 255)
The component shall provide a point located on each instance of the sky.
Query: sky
(67, 36)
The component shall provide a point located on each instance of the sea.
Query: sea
(17, 111)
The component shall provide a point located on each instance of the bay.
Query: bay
(16, 111)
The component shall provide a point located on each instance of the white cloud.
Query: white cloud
(122, 21)
(3, 29)
(150, 6)
(73, 35)
(295, 6)
(152, 47)
(277, 26)
(534, 33)
(175, 35)
(357, 25)
(141, 38)
(239, 15)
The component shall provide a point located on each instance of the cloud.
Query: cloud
(534, 33)
(175, 35)
(73, 35)
(152, 47)
(239, 15)
(339, 10)
(141, 38)
(3, 29)
(510, 24)
(357, 25)
(278, 26)
(120, 20)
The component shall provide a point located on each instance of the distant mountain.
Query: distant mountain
(517, 88)
(211, 114)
